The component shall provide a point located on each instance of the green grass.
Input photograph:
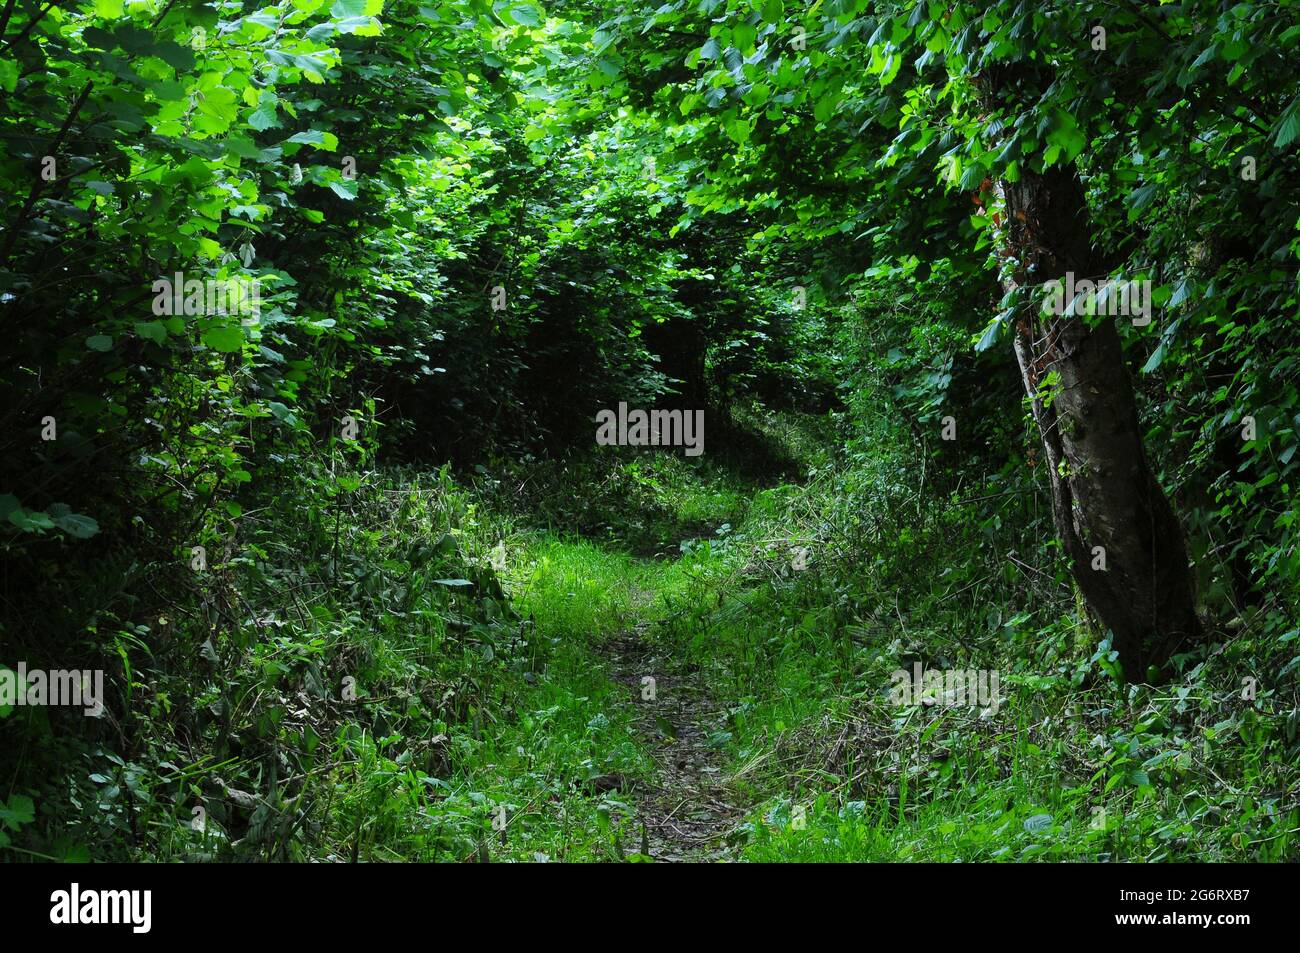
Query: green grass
(485, 692)
(531, 763)
(1073, 767)
(577, 590)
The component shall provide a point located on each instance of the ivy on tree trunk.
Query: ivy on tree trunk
(1124, 543)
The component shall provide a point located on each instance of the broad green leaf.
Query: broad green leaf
(19, 811)
(343, 9)
(151, 331)
(264, 117)
(224, 338)
(314, 137)
(74, 524)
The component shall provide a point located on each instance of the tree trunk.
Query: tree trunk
(1104, 493)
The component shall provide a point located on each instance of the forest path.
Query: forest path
(688, 810)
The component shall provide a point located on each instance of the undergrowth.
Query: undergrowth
(423, 674)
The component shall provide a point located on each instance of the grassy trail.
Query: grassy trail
(631, 609)
(717, 662)
(605, 609)
(687, 809)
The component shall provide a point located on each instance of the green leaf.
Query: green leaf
(314, 137)
(345, 188)
(758, 94)
(225, 338)
(1138, 778)
(151, 331)
(1288, 127)
(220, 104)
(19, 811)
(1141, 197)
(70, 853)
(1037, 823)
(74, 524)
(282, 413)
(360, 26)
(343, 9)
(971, 177)
(1156, 358)
(1067, 139)
(738, 131)
(264, 117)
(99, 342)
(30, 521)
(826, 107)
(992, 332)
(525, 15)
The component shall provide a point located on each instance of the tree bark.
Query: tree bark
(1104, 493)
